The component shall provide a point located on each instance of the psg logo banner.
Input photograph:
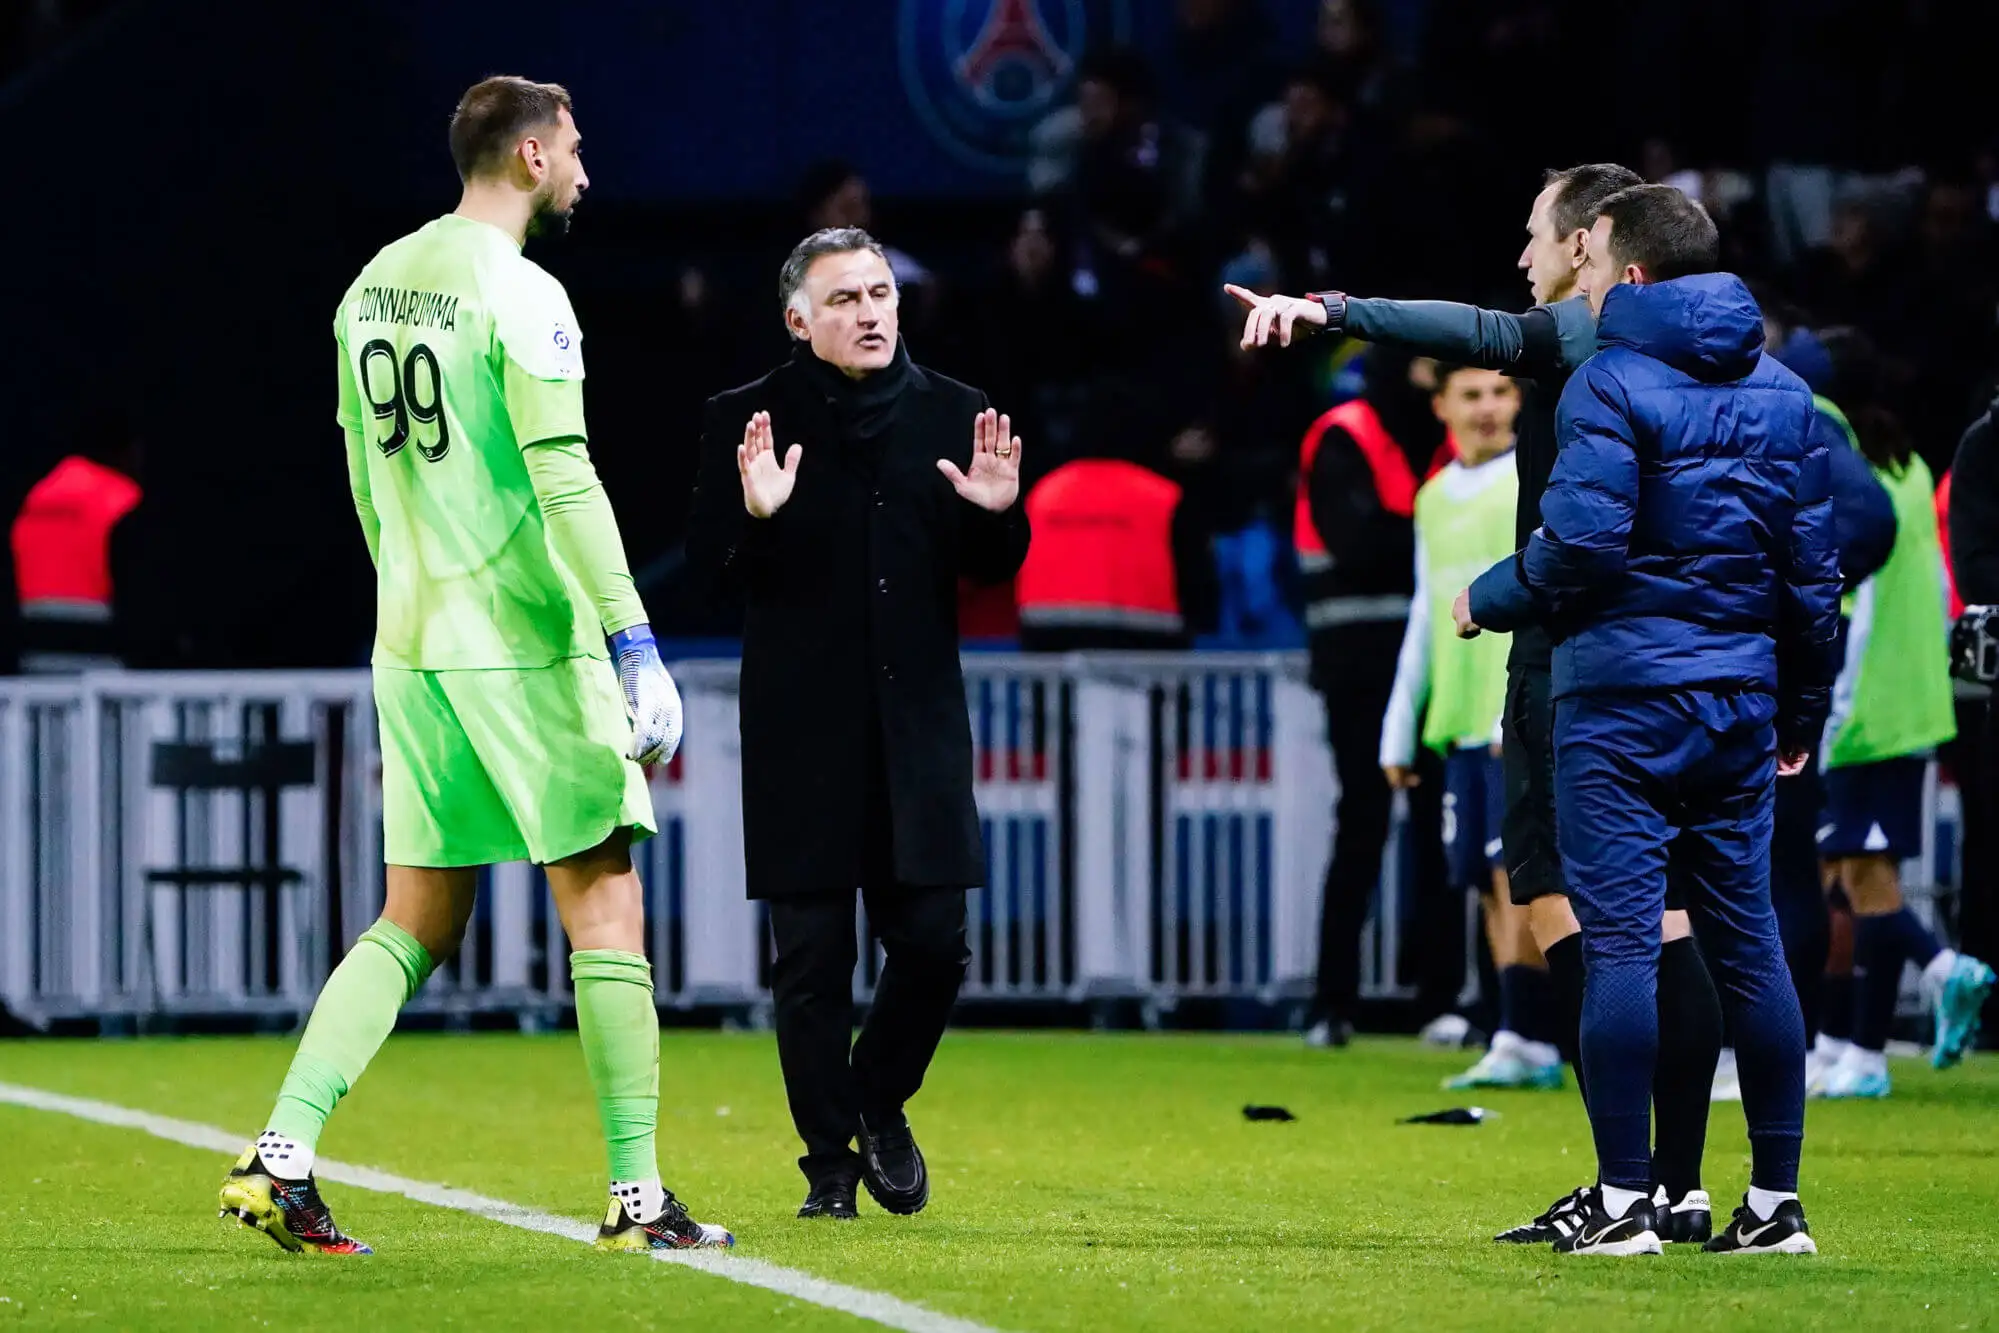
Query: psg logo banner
(980, 74)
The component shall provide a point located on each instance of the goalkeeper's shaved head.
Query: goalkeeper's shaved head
(511, 133)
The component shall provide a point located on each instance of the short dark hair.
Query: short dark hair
(1858, 385)
(1662, 231)
(496, 114)
(1583, 190)
(829, 241)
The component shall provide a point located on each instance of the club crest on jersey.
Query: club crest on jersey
(980, 73)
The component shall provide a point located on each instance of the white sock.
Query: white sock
(1764, 1202)
(644, 1200)
(284, 1158)
(1618, 1202)
(1937, 971)
(1831, 1048)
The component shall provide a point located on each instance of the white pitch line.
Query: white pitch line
(876, 1306)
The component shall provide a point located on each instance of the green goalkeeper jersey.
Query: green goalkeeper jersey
(456, 352)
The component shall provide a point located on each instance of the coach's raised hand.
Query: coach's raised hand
(994, 481)
(1283, 313)
(766, 482)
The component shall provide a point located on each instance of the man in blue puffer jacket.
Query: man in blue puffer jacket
(1686, 567)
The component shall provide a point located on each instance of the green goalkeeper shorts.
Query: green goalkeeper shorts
(480, 767)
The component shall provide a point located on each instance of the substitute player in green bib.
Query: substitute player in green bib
(1457, 687)
(1891, 706)
(506, 734)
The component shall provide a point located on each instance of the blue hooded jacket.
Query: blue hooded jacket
(1863, 517)
(1687, 532)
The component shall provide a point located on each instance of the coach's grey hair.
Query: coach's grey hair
(829, 241)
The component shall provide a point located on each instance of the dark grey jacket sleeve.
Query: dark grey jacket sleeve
(1540, 343)
(1974, 512)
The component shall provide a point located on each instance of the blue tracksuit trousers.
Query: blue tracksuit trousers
(1632, 771)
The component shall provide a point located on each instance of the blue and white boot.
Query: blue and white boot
(1959, 985)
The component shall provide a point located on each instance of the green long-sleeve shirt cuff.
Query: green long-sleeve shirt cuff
(364, 497)
(583, 530)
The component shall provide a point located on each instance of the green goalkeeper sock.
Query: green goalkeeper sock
(352, 1018)
(620, 1031)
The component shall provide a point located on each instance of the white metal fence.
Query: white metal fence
(1156, 829)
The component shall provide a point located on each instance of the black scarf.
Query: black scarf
(863, 408)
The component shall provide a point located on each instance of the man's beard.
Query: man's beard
(550, 222)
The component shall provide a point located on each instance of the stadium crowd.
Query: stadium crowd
(1389, 159)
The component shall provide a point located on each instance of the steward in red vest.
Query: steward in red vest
(61, 544)
(1118, 561)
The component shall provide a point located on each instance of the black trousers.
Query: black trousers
(831, 1077)
(1796, 891)
(1354, 708)
(1974, 758)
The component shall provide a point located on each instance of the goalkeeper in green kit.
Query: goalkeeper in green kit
(506, 734)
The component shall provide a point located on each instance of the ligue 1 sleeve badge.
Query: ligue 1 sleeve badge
(981, 73)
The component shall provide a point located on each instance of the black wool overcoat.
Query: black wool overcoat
(850, 622)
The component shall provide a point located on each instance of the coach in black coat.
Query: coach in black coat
(840, 497)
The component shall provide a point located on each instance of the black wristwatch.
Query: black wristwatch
(1336, 308)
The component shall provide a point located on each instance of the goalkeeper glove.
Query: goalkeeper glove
(650, 696)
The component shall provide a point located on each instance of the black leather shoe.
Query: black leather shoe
(892, 1166)
(832, 1197)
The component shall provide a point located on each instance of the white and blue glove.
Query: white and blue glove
(651, 698)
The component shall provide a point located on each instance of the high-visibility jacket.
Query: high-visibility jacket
(1943, 527)
(62, 560)
(1395, 484)
(1102, 555)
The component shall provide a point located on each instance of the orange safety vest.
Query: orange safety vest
(1943, 528)
(1102, 554)
(62, 541)
(1394, 481)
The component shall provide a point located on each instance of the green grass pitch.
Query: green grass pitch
(1082, 1182)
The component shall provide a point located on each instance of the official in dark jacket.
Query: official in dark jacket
(1974, 511)
(1686, 565)
(1974, 557)
(841, 497)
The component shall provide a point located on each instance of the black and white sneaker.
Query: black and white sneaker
(1597, 1232)
(1560, 1220)
(1784, 1232)
(1688, 1222)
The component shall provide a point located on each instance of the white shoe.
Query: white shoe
(1326, 1033)
(1446, 1030)
(1860, 1075)
(1821, 1060)
(1512, 1063)
(1727, 1082)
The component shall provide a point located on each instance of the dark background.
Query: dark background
(197, 182)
